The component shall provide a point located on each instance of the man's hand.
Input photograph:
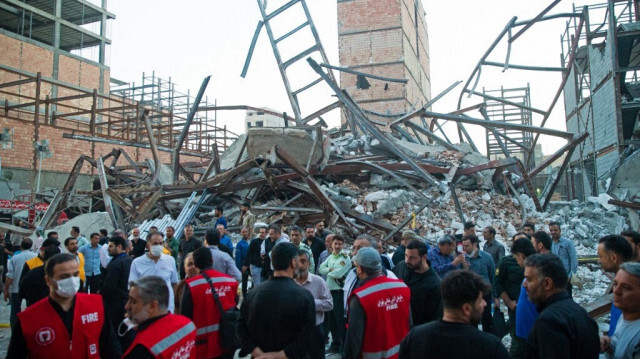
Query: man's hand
(512, 305)
(604, 343)
(6, 296)
(459, 259)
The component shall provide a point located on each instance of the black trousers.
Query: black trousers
(336, 321)
(487, 320)
(317, 350)
(245, 281)
(94, 284)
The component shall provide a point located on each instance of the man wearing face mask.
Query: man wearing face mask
(67, 324)
(160, 334)
(156, 263)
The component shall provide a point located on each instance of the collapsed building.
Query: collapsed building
(147, 154)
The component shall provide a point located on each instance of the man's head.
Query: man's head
(212, 237)
(337, 242)
(469, 228)
(529, 229)
(626, 289)
(148, 298)
(245, 207)
(489, 234)
(541, 241)
(103, 232)
(309, 230)
(555, 231)
(470, 245)
(295, 235)
(153, 229)
(155, 244)
(446, 244)
(218, 211)
(188, 231)
(462, 295)
(71, 244)
(221, 229)
(284, 259)
(49, 242)
(75, 231)
(320, 227)
(94, 239)
(61, 274)
(367, 262)
(521, 249)
(190, 269)
(117, 246)
(244, 232)
(263, 231)
(633, 238)
(135, 233)
(202, 258)
(415, 256)
(52, 235)
(305, 263)
(363, 240)
(613, 250)
(274, 232)
(328, 242)
(26, 244)
(170, 231)
(544, 276)
(408, 236)
(379, 247)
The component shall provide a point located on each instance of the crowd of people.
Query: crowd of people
(121, 296)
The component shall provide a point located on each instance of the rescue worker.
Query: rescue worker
(379, 311)
(67, 324)
(160, 334)
(197, 303)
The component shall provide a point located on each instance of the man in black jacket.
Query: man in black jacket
(423, 281)
(270, 321)
(33, 286)
(115, 290)
(563, 328)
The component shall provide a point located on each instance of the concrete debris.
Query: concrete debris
(88, 223)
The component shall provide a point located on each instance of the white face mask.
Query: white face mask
(68, 287)
(156, 250)
(128, 324)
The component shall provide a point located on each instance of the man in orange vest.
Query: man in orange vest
(67, 324)
(199, 305)
(379, 311)
(160, 334)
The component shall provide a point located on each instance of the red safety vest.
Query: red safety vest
(206, 315)
(172, 336)
(46, 335)
(386, 305)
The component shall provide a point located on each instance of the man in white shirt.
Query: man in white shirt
(14, 271)
(158, 264)
(625, 342)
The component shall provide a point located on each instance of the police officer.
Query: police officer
(198, 304)
(379, 312)
(160, 333)
(67, 324)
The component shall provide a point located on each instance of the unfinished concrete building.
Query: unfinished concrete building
(602, 95)
(387, 38)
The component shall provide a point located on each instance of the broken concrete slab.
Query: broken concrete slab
(295, 141)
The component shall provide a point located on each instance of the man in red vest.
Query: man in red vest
(198, 304)
(379, 311)
(160, 334)
(67, 324)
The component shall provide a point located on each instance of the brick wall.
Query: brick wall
(379, 37)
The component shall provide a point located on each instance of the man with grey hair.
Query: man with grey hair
(160, 334)
(352, 281)
(625, 342)
(379, 311)
(443, 257)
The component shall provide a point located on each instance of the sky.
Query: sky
(197, 38)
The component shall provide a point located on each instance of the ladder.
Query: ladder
(316, 47)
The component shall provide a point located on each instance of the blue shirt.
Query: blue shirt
(242, 249)
(616, 313)
(91, 259)
(565, 250)
(483, 265)
(441, 263)
(526, 315)
(226, 240)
